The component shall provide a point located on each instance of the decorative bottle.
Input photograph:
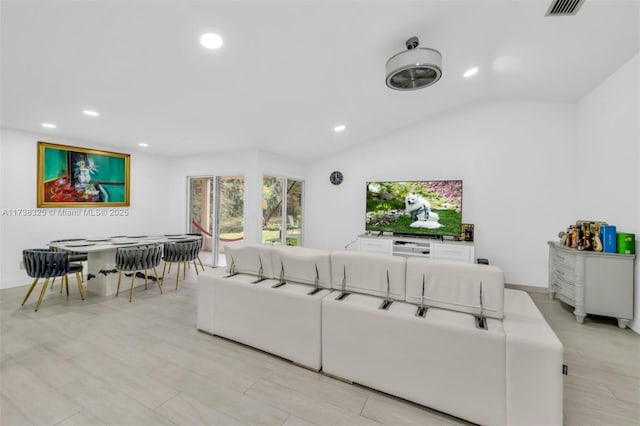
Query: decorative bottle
(587, 241)
(597, 242)
(580, 242)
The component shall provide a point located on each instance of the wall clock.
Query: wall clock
(336, 178)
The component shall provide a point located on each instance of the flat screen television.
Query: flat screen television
(431, 207)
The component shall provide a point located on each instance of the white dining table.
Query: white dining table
(101, 273)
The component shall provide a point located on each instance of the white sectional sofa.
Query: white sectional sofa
(443, 334)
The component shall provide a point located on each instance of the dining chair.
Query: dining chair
(74, 256)
(43, 263)
(181, 252)
(137, 259)
(200, 239)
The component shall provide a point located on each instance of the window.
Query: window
(282, 210)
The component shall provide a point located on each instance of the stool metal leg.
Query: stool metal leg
(133, 278)
(33, 284)
(165, 269)
(119, 279)
(178, 275)
(44, 289)
(155, 272)
(79, 280)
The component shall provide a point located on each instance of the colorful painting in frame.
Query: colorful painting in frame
(70, 176)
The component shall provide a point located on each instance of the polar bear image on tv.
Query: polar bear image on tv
(420, 211)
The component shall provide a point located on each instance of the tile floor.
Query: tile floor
(106, 361)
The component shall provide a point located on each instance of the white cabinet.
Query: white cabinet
(375, 245)
(418, 247)
(462, 252)
(592, 282)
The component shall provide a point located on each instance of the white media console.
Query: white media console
(418, 247)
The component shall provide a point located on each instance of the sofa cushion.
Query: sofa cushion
(301, 265)
(441, 361)
(285, 321)
(248, 258)
(456, 286)
(369, 273)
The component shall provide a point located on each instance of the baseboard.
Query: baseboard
(19, 281)
(528, 288)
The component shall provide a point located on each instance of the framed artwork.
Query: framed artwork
(467, 232)
(70, 176)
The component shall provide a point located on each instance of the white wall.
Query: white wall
(518, 180)
(18, 160)
(609, 148)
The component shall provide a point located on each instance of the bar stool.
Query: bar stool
(74, 256)
(181, 252)
(42, 263)
(137, 259)
(200, 238)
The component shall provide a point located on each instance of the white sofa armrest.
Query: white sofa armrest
(204, 319)
(533, 364)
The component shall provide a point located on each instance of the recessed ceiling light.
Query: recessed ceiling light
(143, 144)
(339, 128)
(472, 71)
(211, 40)
(91, 113)
(49, 125)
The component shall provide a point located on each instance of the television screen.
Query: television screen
(418, 207)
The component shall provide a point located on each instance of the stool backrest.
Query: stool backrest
(182, 251)
(139, 257)
(42, 263)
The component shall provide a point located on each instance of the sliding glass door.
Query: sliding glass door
(201, 214)
(216, 207)
(282, 211)
(230, 212)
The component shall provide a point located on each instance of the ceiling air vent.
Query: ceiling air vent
(564, 7)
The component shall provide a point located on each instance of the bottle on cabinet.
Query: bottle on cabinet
(597, 242)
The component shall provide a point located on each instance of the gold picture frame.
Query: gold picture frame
(467, 231)
(70, 176)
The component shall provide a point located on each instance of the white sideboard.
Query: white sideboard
(592, 282)
(419, 247)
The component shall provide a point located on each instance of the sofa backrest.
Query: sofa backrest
(248, 258)
(456, 286)
(369, 273)
(301, 265)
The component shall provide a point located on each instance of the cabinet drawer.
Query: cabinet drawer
(564, 276)
(377, 246)
(565, 289)
(569, 291)
(567, 261)
(451, 252)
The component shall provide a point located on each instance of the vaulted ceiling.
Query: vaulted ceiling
(289, 71)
